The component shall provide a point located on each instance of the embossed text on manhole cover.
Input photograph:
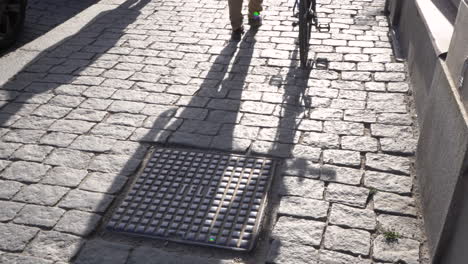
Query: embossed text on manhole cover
(197, 197)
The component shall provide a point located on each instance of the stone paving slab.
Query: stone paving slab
(75, 125)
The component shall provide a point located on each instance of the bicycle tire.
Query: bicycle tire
(305, 26)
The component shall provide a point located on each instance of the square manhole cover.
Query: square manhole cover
(198, 198)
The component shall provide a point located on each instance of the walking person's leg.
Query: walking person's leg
(235, 15)
(255, 7)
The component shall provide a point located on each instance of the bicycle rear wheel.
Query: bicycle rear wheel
(305, 26)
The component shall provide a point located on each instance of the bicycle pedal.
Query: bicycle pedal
(323, 27)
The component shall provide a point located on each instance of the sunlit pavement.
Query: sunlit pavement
(77, 122)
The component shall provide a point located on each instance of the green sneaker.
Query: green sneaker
(256, 20)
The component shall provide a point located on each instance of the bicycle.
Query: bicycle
(307, 16)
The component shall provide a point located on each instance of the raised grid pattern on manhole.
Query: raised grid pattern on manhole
(197, 197)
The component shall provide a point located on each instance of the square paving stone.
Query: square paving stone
(405, 250)
(302, 231)
(86, 201)
(64, 176)
(25, 171)
(78, 222)
(394, 203)
(15, 237)
(32, 153)
(303, 187)
(406, 226)
(351, 240)
(103, 182)
(352, 217)
(41, 216)
(54, 246)
(351, 195)
(197, 197)
(291, 253)
(9, 210)
(303, 207)
(41, 194)
(103, 252)
(332, 257)
(19, 259)
(9, 188)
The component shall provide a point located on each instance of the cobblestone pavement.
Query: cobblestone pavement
(76, 124)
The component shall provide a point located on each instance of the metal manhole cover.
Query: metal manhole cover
(198, 198)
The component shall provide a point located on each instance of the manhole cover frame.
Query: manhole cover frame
(259, 220)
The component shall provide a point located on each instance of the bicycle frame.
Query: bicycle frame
(312, 10)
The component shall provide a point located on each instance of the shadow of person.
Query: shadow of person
(208, 120)
(66, 63)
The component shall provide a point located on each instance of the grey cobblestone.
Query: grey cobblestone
(303, 207)
(23, 136)
(398, 145)
(15, 237)
(291, 253)
(346, 194)
(58, 139)
(367, 116)
(86, 201)
(381, 130)
(69, 158)
(302, 168)
(388, 182)
(125, 119)
(78, 223)
(91, 143)
(306, 152)
(303, 187)
(32, 153)
(405, 226)
(388, 163)
(9, 188)
(393, 203)
(40, 216)
(86, 115)
(40, 194)
(406, 250)
(103, 182)
(352, 217)
(341, 175)
(9, 210)
(321, 140)
(112, 131)
(362, 144)
(71, 126)
(99, 251)
(292, 230)
(20, 259)
(350, 240)
(25, 171)
(64, 176)
(342, 157)
(332, 257)
(54, 246)
(6, 149)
